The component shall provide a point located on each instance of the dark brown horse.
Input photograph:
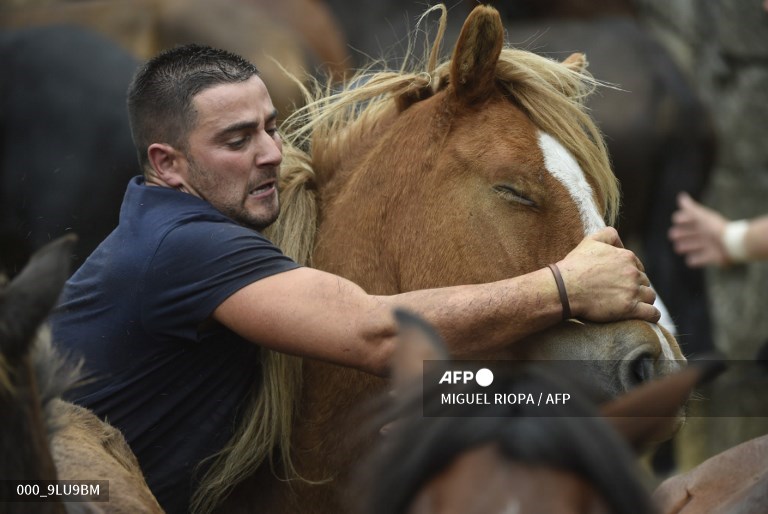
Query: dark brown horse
(24, 304)
(41, 436)
(66, 153)
(490, 456)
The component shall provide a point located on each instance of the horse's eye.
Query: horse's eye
(511, 194)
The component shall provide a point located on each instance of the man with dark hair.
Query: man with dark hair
(171, 309)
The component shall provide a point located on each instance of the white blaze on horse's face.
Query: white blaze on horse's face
(563, 166)
(666, 349)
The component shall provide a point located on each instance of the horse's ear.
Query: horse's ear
(26, 302)
(648, 413)
(576, 62)
(417, 342)
(473, 65)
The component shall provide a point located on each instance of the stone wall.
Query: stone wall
(723, 46)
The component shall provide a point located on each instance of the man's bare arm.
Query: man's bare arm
(318, 315)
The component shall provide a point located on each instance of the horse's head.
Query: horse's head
(492, 152)
(29, 382)
(482, 168)
(479, 169)
(26, 302)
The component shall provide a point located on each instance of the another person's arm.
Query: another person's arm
(705, 237)
(315, 314)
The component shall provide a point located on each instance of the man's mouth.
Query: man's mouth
(263, 189)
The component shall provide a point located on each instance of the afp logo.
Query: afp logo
(483, 377)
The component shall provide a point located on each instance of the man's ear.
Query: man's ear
(168, 163)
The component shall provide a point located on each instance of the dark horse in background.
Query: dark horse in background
(66, 152)
(572, 457)
(65, 147)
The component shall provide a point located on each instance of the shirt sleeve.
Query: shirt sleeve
(199, 265)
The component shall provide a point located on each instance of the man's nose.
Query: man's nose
(270, 151)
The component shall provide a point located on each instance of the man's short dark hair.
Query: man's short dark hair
(161, 92)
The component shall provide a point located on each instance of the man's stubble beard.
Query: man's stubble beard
(256, 222)
(239, 214)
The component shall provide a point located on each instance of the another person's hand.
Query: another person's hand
(697, 233)
(606, 282)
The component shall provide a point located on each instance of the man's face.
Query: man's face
(235, 152)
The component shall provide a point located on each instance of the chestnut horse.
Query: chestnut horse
(474, 170)
(43, 437)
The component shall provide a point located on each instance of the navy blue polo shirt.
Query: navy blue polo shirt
(138, 312)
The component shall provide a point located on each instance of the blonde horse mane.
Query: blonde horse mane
(551, 93)
(329, 126)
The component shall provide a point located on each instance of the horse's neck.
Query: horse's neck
(344, 219)
(365, 262)
(382, 168)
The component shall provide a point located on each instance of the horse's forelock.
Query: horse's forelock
(552, 94)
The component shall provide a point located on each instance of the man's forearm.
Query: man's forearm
(316, 314)
(477, 319)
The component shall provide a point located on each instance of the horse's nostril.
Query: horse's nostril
(642, 368)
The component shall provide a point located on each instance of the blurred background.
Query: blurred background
(691, 115)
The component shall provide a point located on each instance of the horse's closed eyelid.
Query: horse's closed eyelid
(510, 193)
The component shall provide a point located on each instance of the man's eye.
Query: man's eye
(237, 143)
(272, 131)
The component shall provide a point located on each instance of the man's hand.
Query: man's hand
(606, 282)
(697, 233)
